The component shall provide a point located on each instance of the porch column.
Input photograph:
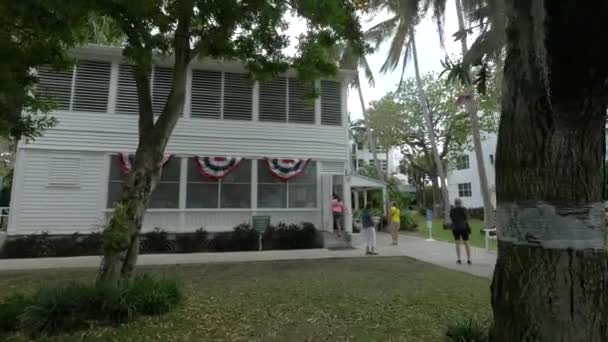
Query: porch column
(348, 216)
(365, 198)
(356, 194)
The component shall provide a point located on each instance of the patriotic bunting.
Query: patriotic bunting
(286, 169)
(216, 167)
(125, 164)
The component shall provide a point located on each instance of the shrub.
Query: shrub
(30, 246)
(467, 330)
(156, 241)
(73, 305)
(221, 242)
(192, 243)
(66, 246)
(407, 223)
(245, 238)
(90, 244)
(10, 311)
(293, 236)
(475, 213)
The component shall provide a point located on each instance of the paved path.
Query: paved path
(437, 252)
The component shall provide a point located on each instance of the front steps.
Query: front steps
(334, 242)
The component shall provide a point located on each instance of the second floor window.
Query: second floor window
(285, 99)
(462, 162)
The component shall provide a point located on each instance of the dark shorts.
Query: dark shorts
(460, 234)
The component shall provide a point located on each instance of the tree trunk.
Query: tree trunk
(472, 107)
(551, 275)
(120, 259)
(431, 133)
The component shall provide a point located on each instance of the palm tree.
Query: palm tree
(472, 106)
(400, 30)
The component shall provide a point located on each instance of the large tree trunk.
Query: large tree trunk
(431, 133)
(551, 277)
(120, 258)
(472, 107)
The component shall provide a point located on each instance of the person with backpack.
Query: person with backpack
(460, 229)
(370, 230)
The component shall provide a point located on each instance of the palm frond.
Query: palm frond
(397, 45)
(439, 16)
(369, 75)
(382, 31)
(406, 57)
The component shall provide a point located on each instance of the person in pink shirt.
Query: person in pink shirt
(337, 210)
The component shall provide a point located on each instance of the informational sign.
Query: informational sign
(429, 215)
(429, 224)
(260, 222)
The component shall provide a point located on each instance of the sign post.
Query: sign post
(429, 224)
(260, 223)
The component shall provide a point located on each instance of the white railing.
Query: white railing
(4, 218)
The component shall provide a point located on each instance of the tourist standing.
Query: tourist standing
(460, 229)
(370, 230)
(395, 218)
(337, 210)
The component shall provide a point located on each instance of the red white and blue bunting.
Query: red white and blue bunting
(286, 169)
(216, 167)
(125, 163)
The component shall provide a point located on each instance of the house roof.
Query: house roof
(358, 181)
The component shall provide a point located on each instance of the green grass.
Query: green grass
(476, 238)
(375, 299)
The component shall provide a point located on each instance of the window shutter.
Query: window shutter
(206, 94)
(331, 103)
(64, 171)
(56, 85)
(273, 100)
(238, 91)
(301, 109)
(92, 86)
(334, 168)
(126, 100)
(161, 87)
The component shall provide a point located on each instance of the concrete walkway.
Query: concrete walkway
(437, 252)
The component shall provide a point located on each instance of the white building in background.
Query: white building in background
(68, 180)
(361, 156)
(463, 178)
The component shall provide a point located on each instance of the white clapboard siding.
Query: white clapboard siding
(126, 99)
(92, 86)
(206, 94)
(161, 88)
(237, 96)
(335, 168)
(301, 104)
(56, 85)
(60, 209)
(331, 103)
(273, 100)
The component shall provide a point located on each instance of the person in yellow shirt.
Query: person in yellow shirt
(395, 215)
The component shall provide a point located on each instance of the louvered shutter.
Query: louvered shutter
(206, 94)
(64, 171)
(301, 108)
(92, 86)
(161, 87)
(126, 99)
(273, 100)
(331, 103)
(57, 85)
(237, 96)
(335, 168)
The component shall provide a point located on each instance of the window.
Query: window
(234, 191)
(64, 171)
(331, 103)
(166, 194)
(206, 94)
(299, 192)
(361, 162)
(301, 105)
(462, 162)
(57, 85)
(126, 98)
(273, 100)
(238, 92)
(162, 83)
(491, 159)
(464, 190)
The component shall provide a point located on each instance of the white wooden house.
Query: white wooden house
(68, 180)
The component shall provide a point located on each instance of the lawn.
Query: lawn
(476, 238)
(375, 299)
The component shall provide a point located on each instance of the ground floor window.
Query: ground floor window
(166, 194)
(233, 191)
(299, 192)
(464, 190)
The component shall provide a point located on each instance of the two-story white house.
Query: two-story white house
(463, 177)
(69, 179)
(361, 157)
